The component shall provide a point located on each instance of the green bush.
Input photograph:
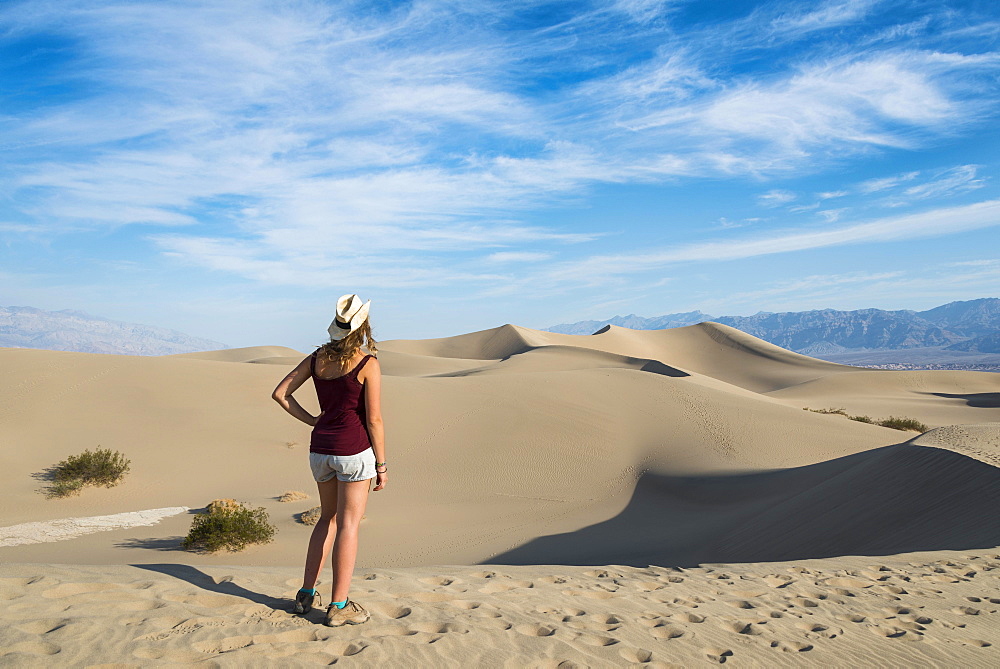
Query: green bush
(863, 419)
(230, 528)
(900, 423)
(102, 467)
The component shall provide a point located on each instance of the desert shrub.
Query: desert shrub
(229, 527)
(310, 517)
(292, 496)
(839, 412)
(223, 503)
(901, 423)
(863, 419)
(102, 467)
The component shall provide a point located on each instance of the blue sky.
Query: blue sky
(230, 168)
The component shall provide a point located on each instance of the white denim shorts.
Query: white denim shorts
(358, 467)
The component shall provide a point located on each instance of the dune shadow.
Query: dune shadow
(657, 367)
(978, 400)
(202, 580)
(896, 499)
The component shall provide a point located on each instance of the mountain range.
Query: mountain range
(968, 326)
(27, 327)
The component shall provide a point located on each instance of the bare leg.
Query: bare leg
(350, 508)
(323, 533)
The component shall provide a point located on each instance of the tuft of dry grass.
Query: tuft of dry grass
(310, 517)
(292, 496)
(839, 412)
(223, 503)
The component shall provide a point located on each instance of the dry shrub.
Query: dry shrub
(292, 496)
(901, 423)
(310, 517)
(224, 503)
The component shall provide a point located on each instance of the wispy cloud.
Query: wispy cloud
(913, 226)
(884, 183)
(956, 180)
(775, 198)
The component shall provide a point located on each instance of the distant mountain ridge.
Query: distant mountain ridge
(972, 325)
(69, 330)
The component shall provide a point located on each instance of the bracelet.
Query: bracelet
(380, 464)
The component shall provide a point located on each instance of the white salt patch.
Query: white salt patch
(70, 528)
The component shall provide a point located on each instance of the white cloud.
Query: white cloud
(831, 215)
(829, 15)
(775, 198)
(885, 183)
(953, 181)
(935, 222)
(515, 256)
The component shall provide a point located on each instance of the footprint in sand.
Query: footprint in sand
(965, 610)
(742, 627)
(43, 626)
(466, 604)
(596, 640)
(32, 647)
(792, 646)
(850, 617)
(437, 580)
(636, 655)
(688, 617)
(719, 655)
(667, 632)
(504, 586)
(534, 629)
(389, 610)
(439, 628)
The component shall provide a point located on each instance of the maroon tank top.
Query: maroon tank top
(341, 428)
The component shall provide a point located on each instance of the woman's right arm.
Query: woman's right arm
(283, 393)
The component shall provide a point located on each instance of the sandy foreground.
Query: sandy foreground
(528, 462)
(921, 609)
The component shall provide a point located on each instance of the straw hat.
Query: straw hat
(351, 314)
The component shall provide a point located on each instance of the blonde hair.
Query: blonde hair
(343, 350)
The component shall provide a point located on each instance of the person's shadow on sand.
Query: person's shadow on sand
(224, 586)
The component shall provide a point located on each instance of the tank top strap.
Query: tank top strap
(357, 368)
(312, 363)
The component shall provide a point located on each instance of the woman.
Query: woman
(347, 430)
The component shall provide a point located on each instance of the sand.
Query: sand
(929, 609)
(536, 457)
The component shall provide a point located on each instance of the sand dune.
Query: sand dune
(498, 439)
(516, 447)
(258, 354)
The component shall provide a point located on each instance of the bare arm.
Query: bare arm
(283, 393)
(372, 374)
